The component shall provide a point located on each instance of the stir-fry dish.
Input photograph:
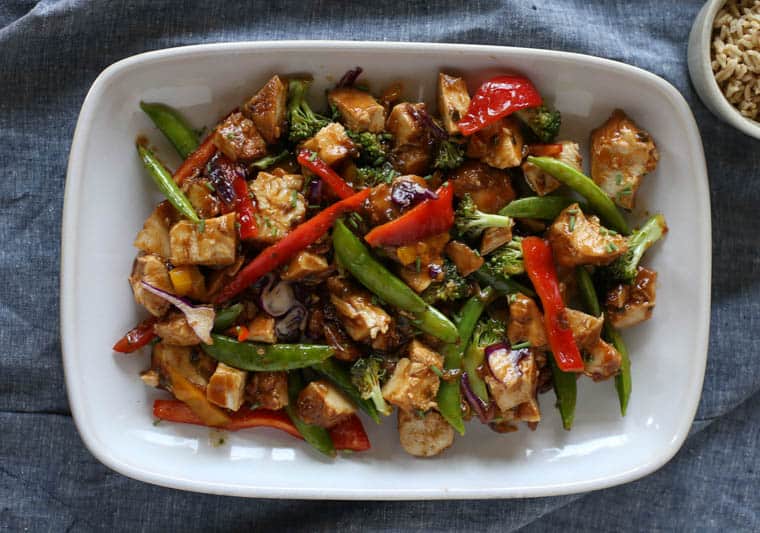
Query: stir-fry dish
(450, 265)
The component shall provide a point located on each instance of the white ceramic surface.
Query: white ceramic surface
(699, 59)
(108, 196)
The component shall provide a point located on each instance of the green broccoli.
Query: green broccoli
(542, 120)
(624, 268)
(304, 122)
(470, 221)
(507, 260)
(452, 287)
(370, 176)
(366, 374)
(488, 331)
(372, 149)
(450, 155)
(268, 161)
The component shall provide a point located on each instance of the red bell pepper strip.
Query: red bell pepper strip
(196, 160)
(346, 435)
(427, 218)
(246, 211)
(286, 248)
(497, 98)
(137, 337)
(539, 265)
(309, 159)
(545, 150)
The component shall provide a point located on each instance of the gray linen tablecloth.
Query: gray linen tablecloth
(50, 53)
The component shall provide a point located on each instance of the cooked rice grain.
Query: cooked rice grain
(736, 55)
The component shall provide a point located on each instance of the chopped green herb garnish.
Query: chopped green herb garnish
(521, 345)
(417, 264)
(437, 371)
(571, 223)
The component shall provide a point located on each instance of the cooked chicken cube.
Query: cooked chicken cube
(325, 321)
(205, 203)
(413, 385)
(420, 353)
(363, 320)
(358, 109)
(305, 265)
(412, 152)
(426, 435)
(268, 390)
(262, 329)
(281, 206)
(268, 109)
(465, 258)
(453, 101)
(628, 305)
(154, 235)
(194, 365)
(493, 238)
(418, 281)
(174, 329)
(226, 387)
(320, 403)
(514, 378)
(586, 328)
(216, 245)
(237, 138)
(528, 411)
(152, 270)
(331, 144)
(526, 323)
(543, 183)
(577, 240)
(621, 154)
(490, 188)
(603, 361)
(499, 145)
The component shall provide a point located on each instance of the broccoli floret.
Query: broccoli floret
(371, 176)
(507, 260)
(371, 147)
(304, 122)
(470, 221)
(624, 267)
(453, 287)
(542, 120)
(366, 374)
(450, 155)
(488, 331)
(268, 161)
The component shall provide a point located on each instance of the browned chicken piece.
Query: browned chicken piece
(427, 251)
(413, 384)
(262, 329)
(499, 144)
(586, 328)
(418, 281)
(154, 235)
(577, 240)
(305, 265)
(603, 361)
(174, 329)
(412, 149)
(238, 139)
(320, 403)
(526, 322)
(379, 207)
(152, 270)
(331, 144)
(389, 340)
(513, 379)
(493, 238)
(280, 205)
(528, 412)
(628, 305)
(358, 109)
(363, 320)
(205, 203)
(426, 435)
(268, 390)
(324, 321)
(621, 154)
(216, 279)
(194, 365)
(418, 352)
(226, 387)
(543, 183)
(216, 245)
(268, 109)
(464, 258)
(453, 101)
(489, 188)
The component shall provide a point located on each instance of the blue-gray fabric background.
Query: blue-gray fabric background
(50, 53)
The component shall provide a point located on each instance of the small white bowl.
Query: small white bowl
(700, 70)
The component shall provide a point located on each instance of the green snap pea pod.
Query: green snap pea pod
(449, 393)
(165, 183)
(473, 358)
(623, 382)
(356, 258)
(585, 186)
(540, 207)
(171, 124)
(566, 389)
(265, 357)
(227, 316)
(317, 436)
(340, 375)
(502, 284)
